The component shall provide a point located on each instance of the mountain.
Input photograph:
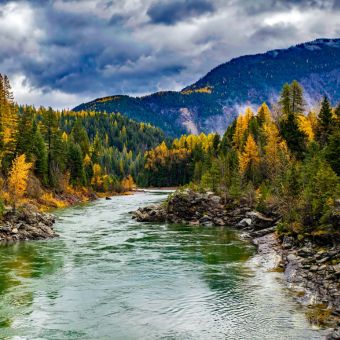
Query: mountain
(212, 103)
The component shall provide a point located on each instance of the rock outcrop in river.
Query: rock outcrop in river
(312, 271)
(27, 223)
(190, 207)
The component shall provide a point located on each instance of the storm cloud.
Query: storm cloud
(172, 11)
(64, 52)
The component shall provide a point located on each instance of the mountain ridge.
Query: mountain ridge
(211, 103)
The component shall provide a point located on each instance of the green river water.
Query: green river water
(110, 277)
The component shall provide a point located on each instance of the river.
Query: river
(110, 277)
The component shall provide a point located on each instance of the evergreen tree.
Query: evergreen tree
(297, 102)
(39, 154)
(80, 136)
(285, 99)
(295, 138)
(25, 133)
(333, 151)
(55, 146)
(292, 104)
(325, 121)
(75, 164)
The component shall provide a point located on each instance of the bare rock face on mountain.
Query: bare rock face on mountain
(215, 100)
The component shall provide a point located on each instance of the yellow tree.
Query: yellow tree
(97, 180)
(306, 126)
(17, 180)
(249, 159)
(8, 117)
(276, 155)
(242, 123)
(264, 115)
(128, 183)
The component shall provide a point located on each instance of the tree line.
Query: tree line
(61, 151)
(283, 160)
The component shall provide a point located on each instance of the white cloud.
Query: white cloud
(61, 53)
(25, 94)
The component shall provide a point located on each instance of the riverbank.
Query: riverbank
(310, 268)
(33, 219)
(26, 223)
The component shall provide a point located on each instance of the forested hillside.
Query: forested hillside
(285, 163)
(45, 152)
(212, 103)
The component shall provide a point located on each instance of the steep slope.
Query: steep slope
(211, 103)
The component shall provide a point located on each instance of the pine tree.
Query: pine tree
(39, 154)
(25, 133)
(325, 122)
(291, 99)
(80, 136)
(285, 99)
(333, 151)
(55, 146)
(292, 104)
(297, 102)
(75, 164)
(295, 138)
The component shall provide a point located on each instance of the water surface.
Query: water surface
(110, 277)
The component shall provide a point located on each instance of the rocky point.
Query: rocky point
(26, 223)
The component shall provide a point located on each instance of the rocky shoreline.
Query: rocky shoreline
(26, 223)
(311, 270)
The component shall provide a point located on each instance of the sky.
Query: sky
(65, 52)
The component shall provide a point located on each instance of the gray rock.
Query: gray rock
(246, 222)
(219, 222)
(27, 223)
(259, 221)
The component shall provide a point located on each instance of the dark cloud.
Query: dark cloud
(173, 11)
(336, 4)
(252, 7)
(77, 50)
(277, 31)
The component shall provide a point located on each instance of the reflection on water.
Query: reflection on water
(109, 277)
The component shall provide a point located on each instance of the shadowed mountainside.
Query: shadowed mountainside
(212, 103)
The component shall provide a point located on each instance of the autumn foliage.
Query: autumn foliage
(287, 162)
(17, 180)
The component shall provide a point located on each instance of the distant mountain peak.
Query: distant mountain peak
(213, 101)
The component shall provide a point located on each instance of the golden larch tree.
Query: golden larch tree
(276, 153)
(127, 183)
(264, 114)
(306, 126)
(242, 123)
(17, 180)
(249, 158)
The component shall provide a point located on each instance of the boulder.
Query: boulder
(259, 221)
(244, 223)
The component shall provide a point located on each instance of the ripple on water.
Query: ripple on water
(110, 277)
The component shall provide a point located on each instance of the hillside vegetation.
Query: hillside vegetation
(285, 163)
(212, 103)
(48, 157)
